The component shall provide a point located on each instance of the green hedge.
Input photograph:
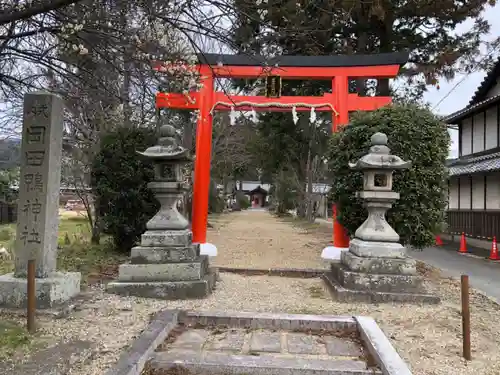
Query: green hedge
(119, 181)
(414, 134)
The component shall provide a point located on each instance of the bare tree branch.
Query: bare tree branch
(34, 10)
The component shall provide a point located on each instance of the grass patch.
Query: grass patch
(316, 292)
(12, 338)
(299, 222)
(75, 253)
(305, 311)
(73, 229)
(95, 262)
(6, 233)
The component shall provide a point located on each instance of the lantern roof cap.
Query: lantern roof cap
(380, 156)
(168, 147)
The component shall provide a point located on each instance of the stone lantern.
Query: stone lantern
(376, 268)
(377, 167)
(166, 265)
(168, 157)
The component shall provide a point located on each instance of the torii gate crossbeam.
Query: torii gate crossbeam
(338, 69)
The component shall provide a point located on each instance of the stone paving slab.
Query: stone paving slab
(336, 346)
(247, 344)
(242, 319)
(217, 363)
(230, 340)
(264, 341)
(193, 339)
(256, 342)
(298, 343)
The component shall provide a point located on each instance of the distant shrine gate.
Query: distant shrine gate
(338, 69)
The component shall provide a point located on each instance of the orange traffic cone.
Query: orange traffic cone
(463, 245)
(494, 250)
(439, 241)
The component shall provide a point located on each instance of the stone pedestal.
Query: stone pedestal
(376, 267)
(373, 279)
(38, 208)
(51, 291)
(166, 265)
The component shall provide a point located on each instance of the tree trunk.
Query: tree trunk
(93, 218)
(383, 87)
(361, 48)
(301, 207)
(127, 73)
(125, 96)
(309, 195)
(96, 235)
(280, 195)
(187, 131)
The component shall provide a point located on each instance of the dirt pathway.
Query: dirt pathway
(256, 239)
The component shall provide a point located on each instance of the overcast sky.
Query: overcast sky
(461, 95)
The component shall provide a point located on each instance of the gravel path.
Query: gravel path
(427, 337)
(256, 239)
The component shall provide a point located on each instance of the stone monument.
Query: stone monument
(38, 208)
(376, 268)
(166, 265)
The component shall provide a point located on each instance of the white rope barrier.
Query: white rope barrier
(274, 104)
(278, 105)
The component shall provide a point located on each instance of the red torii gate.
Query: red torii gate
(337, 69)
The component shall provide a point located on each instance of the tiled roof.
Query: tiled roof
(488, 82)
(251, 185)
(478, 100)
(392, 58)
(319, 188)
(465, 112)
(476, 164)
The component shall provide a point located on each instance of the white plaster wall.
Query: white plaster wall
(466, 136)
(478, 133)
(493, 191)
(478, 192)
(495, 90)
(491, 128)
(465, 193)
(453, 195)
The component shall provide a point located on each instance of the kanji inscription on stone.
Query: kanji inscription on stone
(35, 134)
(35, 158)
(33, 182)
(38, 203)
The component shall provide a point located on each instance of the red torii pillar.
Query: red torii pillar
(340, 88)
(338, 69)
(201, 186)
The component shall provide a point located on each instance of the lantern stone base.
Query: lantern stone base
(166, 290)
(166, 266)
(373, 280)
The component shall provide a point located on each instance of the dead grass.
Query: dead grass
(95, 262)
(299, 223)
(76, 253)
(13, 337)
